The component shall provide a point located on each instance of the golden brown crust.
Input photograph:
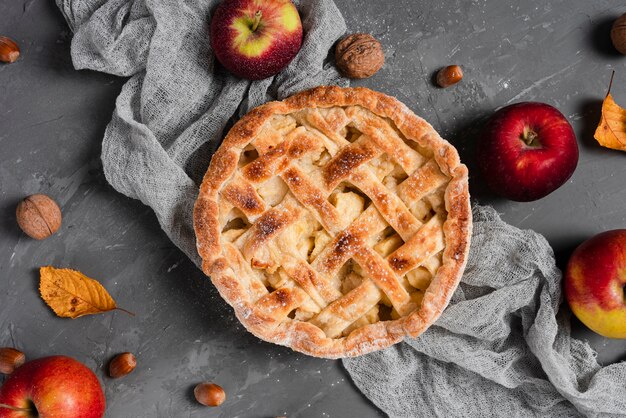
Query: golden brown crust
(260, 316)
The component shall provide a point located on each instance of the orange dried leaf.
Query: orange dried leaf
(71, 294)
(611, 131)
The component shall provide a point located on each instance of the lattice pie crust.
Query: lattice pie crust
(335, 222)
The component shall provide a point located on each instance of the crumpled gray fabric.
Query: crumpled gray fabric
(172, 112)
(499, 349)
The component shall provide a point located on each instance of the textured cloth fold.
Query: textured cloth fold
(500, 348)
(172, 112)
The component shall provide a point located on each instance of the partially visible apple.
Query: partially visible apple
(595, 280)
(52, 387)
(527, 150)
(255, 39)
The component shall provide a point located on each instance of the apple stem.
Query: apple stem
(257, 20)
(529, 137)
(15, 408)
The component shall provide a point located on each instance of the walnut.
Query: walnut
(618, 34)
(38, 216)
(359, 55)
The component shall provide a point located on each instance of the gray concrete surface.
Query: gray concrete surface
(51, 122)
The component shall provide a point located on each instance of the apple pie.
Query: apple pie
(335, 222)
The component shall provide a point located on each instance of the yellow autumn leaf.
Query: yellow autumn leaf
(611, 131)
(71, 294)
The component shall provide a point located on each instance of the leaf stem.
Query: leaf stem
(124, 310)
(610, 83)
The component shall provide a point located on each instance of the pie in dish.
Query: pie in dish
(335, 222)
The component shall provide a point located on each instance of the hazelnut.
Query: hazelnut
(122, 364)
(10, 359)
(9, 51)
(449, 75)
(209, 394)
(618, 34)
(359, 55)
(38, 216)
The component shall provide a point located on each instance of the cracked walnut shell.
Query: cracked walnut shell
(359, 55)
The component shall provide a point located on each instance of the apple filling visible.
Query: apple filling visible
(305, 239)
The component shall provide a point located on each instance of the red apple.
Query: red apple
(527, 151)
(595, 280)
(256, 39)
(52, 387)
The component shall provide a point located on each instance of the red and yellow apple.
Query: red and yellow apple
(527, 150)
(52, 387)
(255, 39)
(595, 279)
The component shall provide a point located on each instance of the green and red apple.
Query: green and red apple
(52, 387)
(255, 39)
(595, 280)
